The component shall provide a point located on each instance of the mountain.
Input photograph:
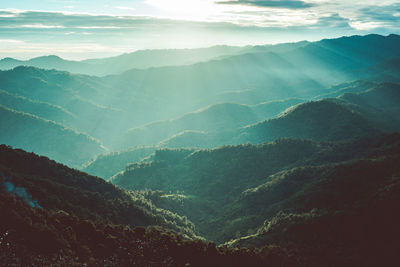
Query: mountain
(288, 183)
(197, 139)
(56, 187)
(348, 87)
(82, 97)
(282, 155)
(321, 120)
(41, 109)
(45, 137)
(45, 62)
(203, 175)
(379, 105)
(55, 215)
(107, 107)
(350, 204)
(141, 59)
(361, 108)
(271, 109)
(303, 73)
(107, 165)
(210, 119)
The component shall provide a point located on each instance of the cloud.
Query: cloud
(126, 8)
(287, 4)
(77, 35)
(333, 21)
(385, 13)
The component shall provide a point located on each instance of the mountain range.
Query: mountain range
(272, 155)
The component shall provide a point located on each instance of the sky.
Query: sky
(80, 29)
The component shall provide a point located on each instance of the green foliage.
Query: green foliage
(46, 138)
(85, 221)
(57, 187)
(320, 121)
(107, 165)
(228, 189)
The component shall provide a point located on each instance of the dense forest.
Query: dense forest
(271, 155)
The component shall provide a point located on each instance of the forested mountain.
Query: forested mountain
(210, 119)
(374, 108)
(55, 215)
(142, 59)
(56, 187)
(288, 183)
(45, 137)
(38, 108)
(106, 165)
(291, 151)
(321, 121)
(350, 204)
(159, 103)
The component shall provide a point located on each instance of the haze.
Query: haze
(85, 29)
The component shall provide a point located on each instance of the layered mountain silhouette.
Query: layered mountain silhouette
(289, 176)
(275, 155)
(107, 165)
(106, 108)
(141, 59)
(47, 138)
(322, 121)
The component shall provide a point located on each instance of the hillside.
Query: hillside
(56, 187)
(262, 77)
(331, 119)
(203, 175)
(321, 121)
(83, 97)
(305, 207)
(196, 179)
(379, 105)
(41, 109)
(290, 151)
(197, 139)
(45, 137)
(142, 59)
(214, 118)
(271, 109)
(107, 165)
(56, 215)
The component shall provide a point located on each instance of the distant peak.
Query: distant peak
(49, 57)
(6, 59)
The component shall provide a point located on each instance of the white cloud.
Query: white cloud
(366, 26)
(41, 26)
(10, 41)
(97, 27)
(126, 8)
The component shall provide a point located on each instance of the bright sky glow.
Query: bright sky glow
(86, 28)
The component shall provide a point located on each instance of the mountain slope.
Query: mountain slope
(37, 108)
(141, 59)
(350, 204)
(107, 165)
(379, 104)
(53, 215)
(322, 120)
(45, 137)
(210, 119)
(203, 175)
(197, 180)
(57, 187)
